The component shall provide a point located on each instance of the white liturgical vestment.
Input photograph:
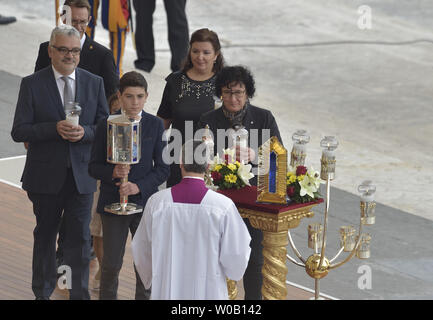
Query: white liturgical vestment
(185, 251)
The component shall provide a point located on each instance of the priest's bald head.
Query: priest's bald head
(194, 159)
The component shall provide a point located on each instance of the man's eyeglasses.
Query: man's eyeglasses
(82, 23)
(237, 94)
(65, 51)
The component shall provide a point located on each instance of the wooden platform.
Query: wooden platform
(16, 245)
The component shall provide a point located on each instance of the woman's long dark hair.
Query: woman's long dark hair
(205, 35)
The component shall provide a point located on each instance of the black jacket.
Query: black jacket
(39, 108)
(94, 58)
(260, 124)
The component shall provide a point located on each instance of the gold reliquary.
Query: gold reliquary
(272, 171)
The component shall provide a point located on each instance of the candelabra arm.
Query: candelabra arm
(350, 256)
(294, 261)
(294, 249)
(337, 255)
(325, 224)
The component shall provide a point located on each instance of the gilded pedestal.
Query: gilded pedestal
(275, 242)
(274, 220)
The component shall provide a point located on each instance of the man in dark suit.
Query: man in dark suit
(94, 57)
(55, 174)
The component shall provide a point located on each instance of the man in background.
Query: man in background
(178, 35)
(94, 57)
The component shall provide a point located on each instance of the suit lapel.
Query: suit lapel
(86, 54)
(78, 86)
(53, 92)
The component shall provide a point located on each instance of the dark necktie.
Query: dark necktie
(67, 99)
(67, 92)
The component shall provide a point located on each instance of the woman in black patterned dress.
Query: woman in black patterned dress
(191, 92)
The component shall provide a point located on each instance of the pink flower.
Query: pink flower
(216, 176)
(301, 170)
(290, 191)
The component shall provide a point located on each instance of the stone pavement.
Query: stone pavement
(315, 69)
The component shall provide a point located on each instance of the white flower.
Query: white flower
(244, 172)
(308, 186)
(314, 177)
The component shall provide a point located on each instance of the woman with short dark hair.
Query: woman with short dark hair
(236, 86)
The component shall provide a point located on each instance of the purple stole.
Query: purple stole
(189, 190)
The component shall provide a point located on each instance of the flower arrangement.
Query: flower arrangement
(228, 173)
(303, 184)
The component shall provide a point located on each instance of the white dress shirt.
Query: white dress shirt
(83, 38)
(61, 83)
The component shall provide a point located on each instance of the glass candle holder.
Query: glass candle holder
(73, 111)
(347, 238)
(315, 236)
(239, 138)
(368, 207)
(299, 151)
(364, 246)
(208, 141)
(328, 144)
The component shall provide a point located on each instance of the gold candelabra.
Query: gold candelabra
(318, 265)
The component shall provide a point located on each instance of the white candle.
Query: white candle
(73, 119)
(242, 143)
(367, 197)
(299, 148)
(328, 154)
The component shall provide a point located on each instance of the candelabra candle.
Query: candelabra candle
(300, 139)
(368, 212)
(329, 144)
(317, 265)
(315, 236)
(347, 238)
(368, 206)
(364, 246)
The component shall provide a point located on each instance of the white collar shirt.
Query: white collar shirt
(82, 40)
(61, 84)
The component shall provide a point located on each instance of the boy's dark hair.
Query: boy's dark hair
(132, 79)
